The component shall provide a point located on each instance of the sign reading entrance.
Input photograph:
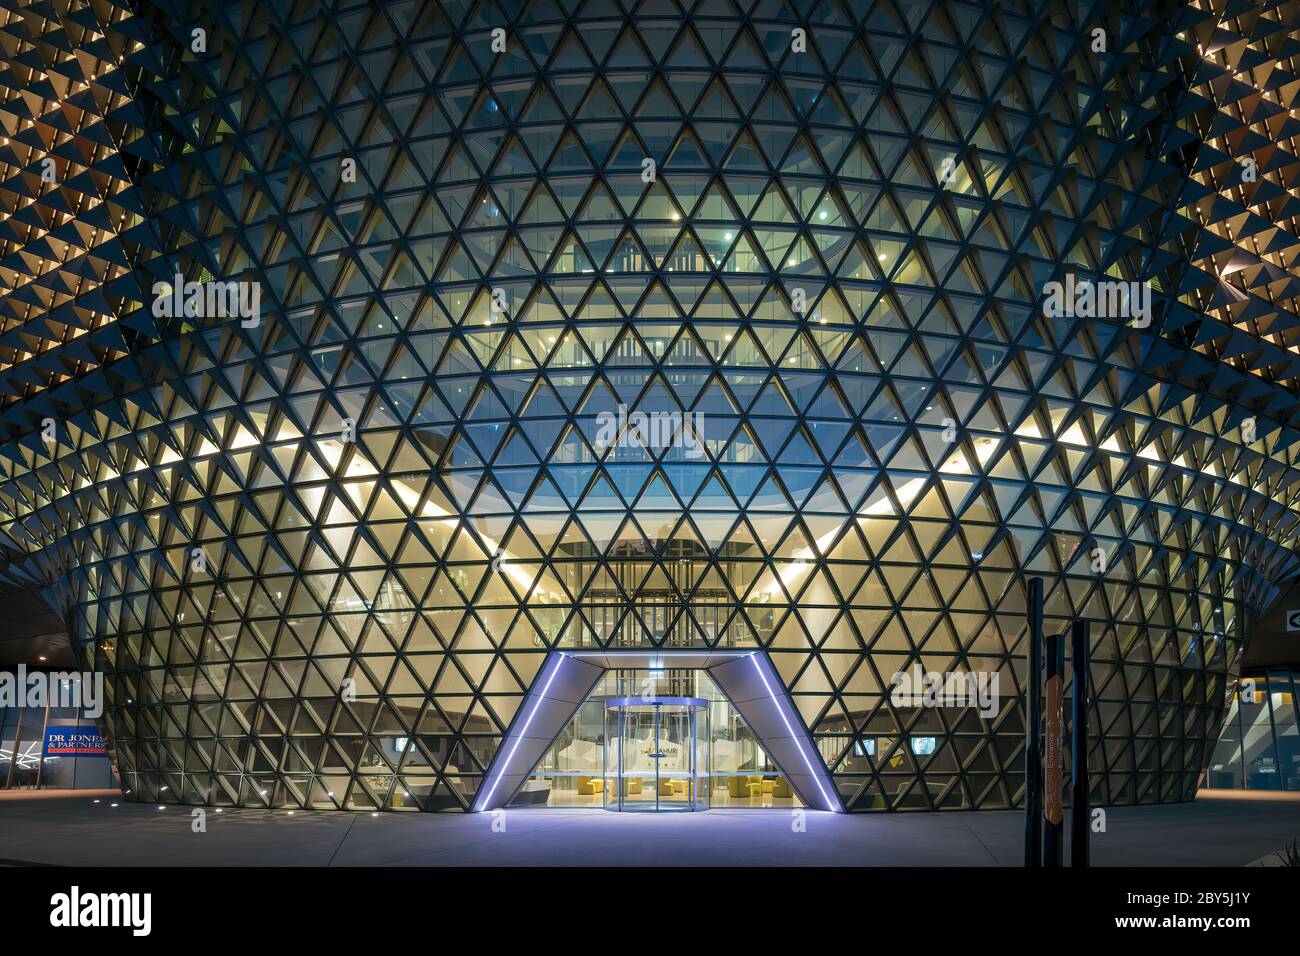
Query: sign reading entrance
(1052, 760)
(74, 742)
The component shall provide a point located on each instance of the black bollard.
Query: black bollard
(1033, 727)
(1080, 654)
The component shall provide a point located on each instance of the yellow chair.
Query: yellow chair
(631, 786)
(781, 788)
(590, 786)
(755, 786)
(738, 786)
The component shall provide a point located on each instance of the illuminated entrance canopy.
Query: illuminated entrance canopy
(745, 677)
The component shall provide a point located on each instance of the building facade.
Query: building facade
(359, 358)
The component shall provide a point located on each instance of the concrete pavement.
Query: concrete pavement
(1223, 828)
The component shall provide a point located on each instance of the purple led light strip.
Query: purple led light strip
(519, 738)
(797, 738)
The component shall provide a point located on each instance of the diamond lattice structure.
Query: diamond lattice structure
(648, 330)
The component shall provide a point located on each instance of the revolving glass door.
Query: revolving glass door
(657, 753)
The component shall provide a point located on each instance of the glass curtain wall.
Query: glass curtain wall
(1259, 746)
(840, 427)
(24, 765)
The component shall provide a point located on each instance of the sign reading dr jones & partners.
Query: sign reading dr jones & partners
(74, 742)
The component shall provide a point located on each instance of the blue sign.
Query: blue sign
(74, 742)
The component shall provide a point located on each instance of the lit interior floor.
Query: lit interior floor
(721, 801)
(1216, 830)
